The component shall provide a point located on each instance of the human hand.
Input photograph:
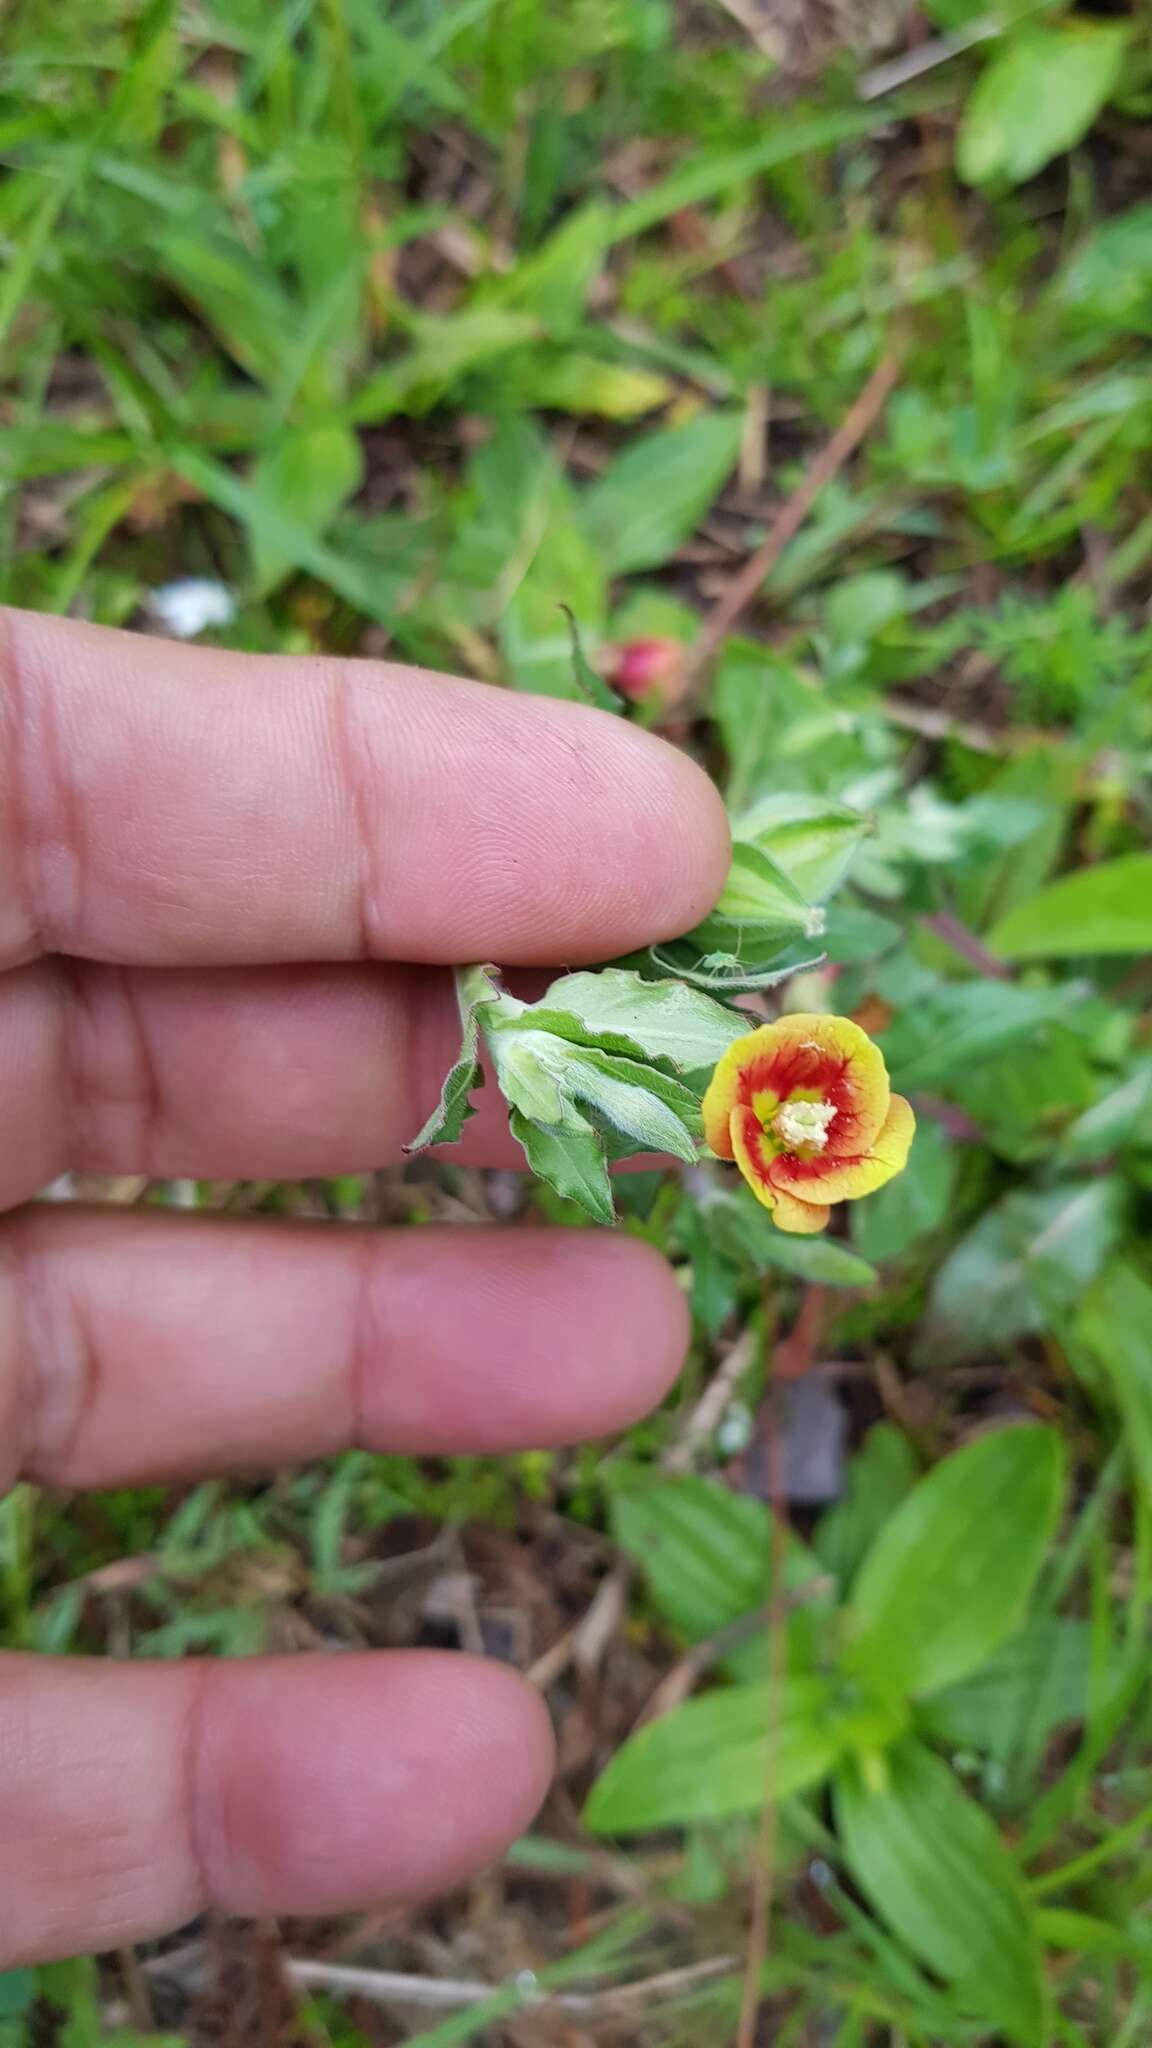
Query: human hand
(203, 857)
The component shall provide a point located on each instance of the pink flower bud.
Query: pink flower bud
(647, 668)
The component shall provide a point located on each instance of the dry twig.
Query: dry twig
(397, 1987)
(747, 583)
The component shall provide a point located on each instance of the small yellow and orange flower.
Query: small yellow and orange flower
(804, 1108)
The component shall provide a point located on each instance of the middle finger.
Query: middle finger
(246, 1073)
(144, 1346)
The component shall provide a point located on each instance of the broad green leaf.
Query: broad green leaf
(1033, 1684)
(936, 1871)
(530, 1068)
(715, 1756)
(474, 988)
(1024, 1265)
(741, 1227)
(652, 497)
(948, 1578)
(1110, 275)
(1116, 1327)
(660, 1020)
(571, 1161)
(1039, 96)
(911, 1206)
(445, 347)
(705, 1551)
(1121, 1119)
(852, 933)
(640, 1103)
(819, 1260)
(756, 695)
(943, 1032)
(813, 842)
(308, 473)
(759, 892)
(883, 1471)
(1102, 909)
(1017, 1102)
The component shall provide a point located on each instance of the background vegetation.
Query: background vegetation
(406, 324)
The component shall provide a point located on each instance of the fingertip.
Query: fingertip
(688, 838)
(634, 1360)
(524, 1338)
(336, 1783)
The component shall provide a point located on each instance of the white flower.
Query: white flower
(186, 607)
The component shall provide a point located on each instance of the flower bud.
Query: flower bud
(646, 668)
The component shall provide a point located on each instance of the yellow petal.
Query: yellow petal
(721, 1094)
(801, 1218)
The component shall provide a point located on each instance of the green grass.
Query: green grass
(412, 324)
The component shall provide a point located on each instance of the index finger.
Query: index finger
(161, 804)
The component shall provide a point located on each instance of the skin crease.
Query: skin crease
(216, 872)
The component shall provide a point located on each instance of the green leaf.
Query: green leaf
(658, 1113)
(571, 1161)
(445, 348)
(936, 1871)
(554, 571)
(1110, 276)
(730, 973)
(942, 1032)
(711, 1757)
(1121, 1119)
(554, 281)
(756, 695)
(17, 1992)
(617, 1011)
(591, 686)
(474, 987)
(1116, 1327)
(813, 842)
(705, 1551)
(882, 1473)
(852, 933)
(1024, 1265)
(653, 496)
(911, 1206)
(589, 387)
(1033, 1684)
(308, 474)
(1038, 97)
(758, 898)
(1087, 1935)
(740, 1226)
(948, 1579)
(354, 579)
(1102, 909)
(237, 295)
(711, 172)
